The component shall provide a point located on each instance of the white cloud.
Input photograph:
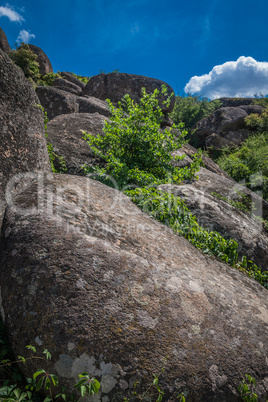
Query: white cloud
(24, 36)
(242, 78)
(9, 12)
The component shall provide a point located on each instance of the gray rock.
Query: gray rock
(45, 66)
(220, 122)
(209, 164)
(235, 102)
(65, 134)
(23, 145)
(67, 86)
(56, 102)
(4, 45)
(110, 291)
(69, 77)
(218, 215)
(114, 86)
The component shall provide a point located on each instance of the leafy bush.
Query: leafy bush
(189, 109)
(81, 78)
(134, 148)
(24, 58)
(249, 163)
(258, 121)
(48, 79)
(172, 211)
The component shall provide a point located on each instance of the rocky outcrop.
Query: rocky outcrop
(218, 215)
(114, 86)
(56, 102)
(45, 66)
(226, 126)
(71, 78)
(4, 45)
(65, 133)
(209, 182)
(108, 290)
(209, 164)
(235, 102)
(23, 145)
(67, 86)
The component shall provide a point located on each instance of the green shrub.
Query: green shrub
(135, 150)
(249, 163)
(189, 109)
(24, 58)
(48, 79)
(81, 78)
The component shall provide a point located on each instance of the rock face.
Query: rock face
(65, 134)
(235, 102)
(114, 86)
(108, 290)
(69, 77)
(209, 164)
(218, 215)
(4, 45)
(226, 126)
(56, 102)
(23, 145)
(67, 86)
(45, 66)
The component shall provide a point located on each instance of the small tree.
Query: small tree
(135, 149)
(24, 58)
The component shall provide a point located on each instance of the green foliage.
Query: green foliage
(249, 163)
(172, 211)
(87, 385)
(243, 203)
(246, 389)
(48, 79)
(135, 150)
(189, 109)
(81, 78)
(57, 163)
(24, 58)
(258, 121)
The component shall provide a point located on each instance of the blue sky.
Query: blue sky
(180, 42)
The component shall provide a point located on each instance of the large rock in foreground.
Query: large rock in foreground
(65, 133)
(108, 290)
(23, 145)
(114, 86)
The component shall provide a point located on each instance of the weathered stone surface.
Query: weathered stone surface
(65, 134)
(209, 164)
(67, 86)
(220, 122)
(45, 66)
(4, 45)
(114, 86)
(56, 102)
(23, 145)
(217, 215)
(235, 102)
(69, 77)
(89, 104)
(108, 290)
(226, 187)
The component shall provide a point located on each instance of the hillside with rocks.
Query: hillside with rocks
(116, 289)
